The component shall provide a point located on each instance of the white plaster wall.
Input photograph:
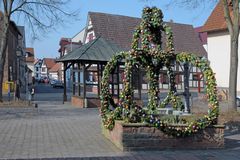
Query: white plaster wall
(219, 56)
(53, 75)
(31, 66)
(37, 65)
(87, 37)
(205, 46)
(79, 36)
(44, 74)
(89, 31)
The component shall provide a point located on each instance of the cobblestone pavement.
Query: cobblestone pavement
(56, 131)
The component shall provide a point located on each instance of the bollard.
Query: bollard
(29, 98)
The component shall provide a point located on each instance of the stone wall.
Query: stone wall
(80, 102)
(129, 137)
(77, 101)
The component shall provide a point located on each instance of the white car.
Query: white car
(52, 81)
(238, 101)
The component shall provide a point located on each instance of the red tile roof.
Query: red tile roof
(55, 68)
(50, 62)
(216, 21)
(30, 50)
(30, 57)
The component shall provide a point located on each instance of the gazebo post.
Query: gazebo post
(98, 77)
(73, 78)
(140, 83)
(118, 91)
(84, 80)
(64, 82)
(79, 84)
(186, 87)
(113, 83)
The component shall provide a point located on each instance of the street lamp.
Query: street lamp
(19, 55)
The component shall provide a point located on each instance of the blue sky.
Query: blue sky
(48, 46)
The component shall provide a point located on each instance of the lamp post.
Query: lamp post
(19, 55)
(186, 87)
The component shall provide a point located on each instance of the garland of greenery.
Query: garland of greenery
(109, 116)
(150, 56)
(211, 90)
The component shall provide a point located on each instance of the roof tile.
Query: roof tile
(216, 20)
(50, 62)
(119, 29)
(55, 68)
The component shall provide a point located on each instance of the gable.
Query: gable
(119, 29)
(216, 20)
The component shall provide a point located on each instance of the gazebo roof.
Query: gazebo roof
(99, 50)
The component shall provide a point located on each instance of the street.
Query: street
(61, 131)
(45, 92)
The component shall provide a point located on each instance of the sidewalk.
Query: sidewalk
(57, 131)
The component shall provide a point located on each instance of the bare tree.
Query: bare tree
(233, 28)
(39, 15)
(231, 15)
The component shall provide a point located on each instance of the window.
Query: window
(36, 68)
(43, 69)
(195, 76)
(164, 79)
(90, 37)
(178, 78)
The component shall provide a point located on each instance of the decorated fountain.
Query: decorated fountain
(131, 126)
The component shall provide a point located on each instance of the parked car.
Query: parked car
(52, 82)
(238, 101)
(58, 84)
(43, 80)
(46, 80)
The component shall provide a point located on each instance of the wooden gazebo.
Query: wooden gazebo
(91, 58)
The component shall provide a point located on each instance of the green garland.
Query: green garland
(108, 116)
(150, 56)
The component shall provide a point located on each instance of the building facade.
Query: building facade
(47, 64)
(38, 69)
(21, 60)
(55, 72)
(67, 45)
(119, 29)
(218, 40)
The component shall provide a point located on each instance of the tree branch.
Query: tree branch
(43, 4)
(20, 6)
(34, 18)
(236, 17)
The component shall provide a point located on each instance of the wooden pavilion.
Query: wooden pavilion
(91, 58)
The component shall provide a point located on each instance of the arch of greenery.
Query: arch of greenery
(147, 53)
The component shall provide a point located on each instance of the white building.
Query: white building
(38, 69)
(219, 46)
(47, 64)
(55, 72)
(67, 45)
(119, 29)
(30, 63)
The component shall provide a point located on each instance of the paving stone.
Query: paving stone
(57, 131)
